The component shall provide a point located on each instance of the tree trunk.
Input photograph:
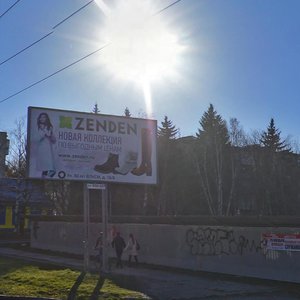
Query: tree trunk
(233, 184)
(204, 181)
(219, 167)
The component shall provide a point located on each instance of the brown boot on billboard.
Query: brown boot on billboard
(143, 169)
(110, 165)
(146, 165)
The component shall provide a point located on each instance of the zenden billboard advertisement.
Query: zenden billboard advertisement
(91, 147)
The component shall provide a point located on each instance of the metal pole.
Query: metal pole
(104, 226)
(86, 212)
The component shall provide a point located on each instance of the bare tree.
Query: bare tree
(236, 133)
(238, 139)
(59, 194)
(17, 153)
(293, 144)
(253, 138)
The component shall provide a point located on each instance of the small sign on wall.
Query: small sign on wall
(96, 186)
(281, 242)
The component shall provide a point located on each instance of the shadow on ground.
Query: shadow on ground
(96, 292)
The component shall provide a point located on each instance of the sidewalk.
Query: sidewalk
(32, 256)
(170, 284)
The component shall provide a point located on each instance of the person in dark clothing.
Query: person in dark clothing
(99, 247)
(119, 244)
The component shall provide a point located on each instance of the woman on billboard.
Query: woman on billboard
(45, 155)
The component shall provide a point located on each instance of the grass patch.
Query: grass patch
(18, 278)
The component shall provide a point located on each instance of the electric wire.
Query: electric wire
(9, 8)
(45, 36)
(72, 64)
(56, 72)
(78, 10)
(11, 57)
(160, 11)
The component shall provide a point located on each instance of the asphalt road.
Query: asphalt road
(169, 284)
(165, 285)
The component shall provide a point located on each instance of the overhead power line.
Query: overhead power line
(47, 77)
(71, 15)
(160, 11)
(72, 64)
(45, 36)
(11, 57)
(9, 8)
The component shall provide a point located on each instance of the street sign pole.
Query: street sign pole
(86, 211)
(105, 226)
(104, 201)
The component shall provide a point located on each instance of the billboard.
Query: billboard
(73, 145)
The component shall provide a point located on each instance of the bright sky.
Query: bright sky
(243, 56)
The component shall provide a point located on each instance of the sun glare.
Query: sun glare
(141, 47)
(147, 96)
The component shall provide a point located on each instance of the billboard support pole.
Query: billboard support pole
(105, 226)
(86, 211)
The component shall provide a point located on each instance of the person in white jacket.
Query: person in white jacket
(132, 248)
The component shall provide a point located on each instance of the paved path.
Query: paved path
(175, 285)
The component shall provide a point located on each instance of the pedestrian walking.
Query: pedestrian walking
(119, 245)
(99, 247)
(133, 247)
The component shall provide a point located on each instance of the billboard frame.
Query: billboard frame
(107, 177)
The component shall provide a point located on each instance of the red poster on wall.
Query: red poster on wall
(281, 242)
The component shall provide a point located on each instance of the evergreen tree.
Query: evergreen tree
(213, 138)
(167, 131)
(166, 163)
(127, 113)
(272, 170)
(271, 139)
(214, 128)
(96, 110)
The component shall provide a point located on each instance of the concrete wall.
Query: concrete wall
(221, 249)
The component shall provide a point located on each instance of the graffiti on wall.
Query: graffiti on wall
(211, 241)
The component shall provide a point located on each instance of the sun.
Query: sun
(142, 48)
